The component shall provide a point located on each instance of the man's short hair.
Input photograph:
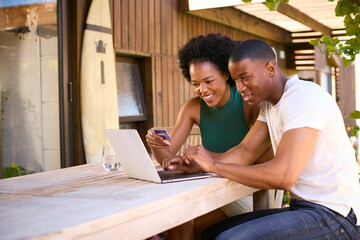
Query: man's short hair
(253, 49)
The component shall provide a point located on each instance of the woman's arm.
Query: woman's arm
(188, 115)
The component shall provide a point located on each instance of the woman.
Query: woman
(218, 109)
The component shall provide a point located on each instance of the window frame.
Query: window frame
(139, 83)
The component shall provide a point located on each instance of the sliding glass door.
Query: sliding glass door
(29, 81)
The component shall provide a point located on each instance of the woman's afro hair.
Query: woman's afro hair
(213, 48)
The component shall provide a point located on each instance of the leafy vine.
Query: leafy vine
(350, 10)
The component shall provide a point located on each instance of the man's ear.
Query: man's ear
(270, 68)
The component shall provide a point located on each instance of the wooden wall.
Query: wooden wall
(155, 29)
(347, 95)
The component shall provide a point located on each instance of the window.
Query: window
(29, 84)
(131, 102)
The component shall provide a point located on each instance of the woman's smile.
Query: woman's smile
(208, 98)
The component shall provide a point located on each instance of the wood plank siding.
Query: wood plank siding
(155, 29)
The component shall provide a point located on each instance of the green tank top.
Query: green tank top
(223, 127)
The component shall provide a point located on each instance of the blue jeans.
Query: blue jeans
(302, 220)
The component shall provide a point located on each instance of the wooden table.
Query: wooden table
(86, 202)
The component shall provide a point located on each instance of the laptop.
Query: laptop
(136, 161)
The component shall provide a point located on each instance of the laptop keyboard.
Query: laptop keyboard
(164, 175)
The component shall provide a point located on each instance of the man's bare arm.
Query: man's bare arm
(293, 153)
(254, 145)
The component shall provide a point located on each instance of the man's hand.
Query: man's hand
(201, 156)
(177, 163)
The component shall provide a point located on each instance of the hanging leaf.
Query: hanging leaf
(354, 131)
(354, 115)
(350, 10)
(315, 42)
(343, 8)
(272, 4)
(346, 62)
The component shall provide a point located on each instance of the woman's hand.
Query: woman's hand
(177, 163)
(155, 141)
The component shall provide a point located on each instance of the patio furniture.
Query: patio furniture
(265, 198)
(87, 202)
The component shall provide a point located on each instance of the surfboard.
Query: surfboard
(98, 92)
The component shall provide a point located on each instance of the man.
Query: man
(313, 155)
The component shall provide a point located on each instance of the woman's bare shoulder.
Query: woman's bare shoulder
(191, 109)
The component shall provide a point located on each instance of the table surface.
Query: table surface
(86, 202)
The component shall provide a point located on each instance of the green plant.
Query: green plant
(286, 198)
(350, 10)
(354, 115)
(14, 171)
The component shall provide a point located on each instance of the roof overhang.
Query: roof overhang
(293, 24)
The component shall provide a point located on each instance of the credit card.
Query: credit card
(163, 133)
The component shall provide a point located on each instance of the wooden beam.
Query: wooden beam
(301, 17)
(183, 5)
(192, 5)
(237, 19)
(335, 60)
(19, 16)
(286, 9)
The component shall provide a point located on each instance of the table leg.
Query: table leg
(261, 199)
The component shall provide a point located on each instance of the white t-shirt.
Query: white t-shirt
(330, 178)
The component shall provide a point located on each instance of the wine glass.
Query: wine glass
(110, 162)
